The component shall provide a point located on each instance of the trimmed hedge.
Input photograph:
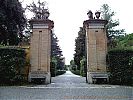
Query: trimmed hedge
(76, 72)
(12, 62)
(54, 71)
(120, 64)
(60, 72)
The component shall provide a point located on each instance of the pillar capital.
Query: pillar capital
(94, 22)
(41, 23)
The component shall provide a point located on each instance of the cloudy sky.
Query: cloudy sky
(68, 16)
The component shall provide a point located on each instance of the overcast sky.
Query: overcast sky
(68, 16)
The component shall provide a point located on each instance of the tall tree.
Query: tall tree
(79, 47)
(108, 15)
(12, 22)
(56, 52)
(55, 48)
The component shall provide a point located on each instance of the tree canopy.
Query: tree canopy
(125, 41)
(12, 22)
(112, 33)
(108, 15)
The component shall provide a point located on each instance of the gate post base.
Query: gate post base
(97, 77)
(48, 78)
(45, 77)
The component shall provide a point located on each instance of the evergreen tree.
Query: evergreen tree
(56, 51)
(79, 47)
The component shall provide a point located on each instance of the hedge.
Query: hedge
(76, 72)
(120, 64)
(53, 69)
(12, 62)
(60, 72)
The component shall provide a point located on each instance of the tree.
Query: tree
(72, 65)
(108, 15)
(12, 22)
(56, 51)
(79, 47)
(82, 67)
(125, 41)
(55, 48)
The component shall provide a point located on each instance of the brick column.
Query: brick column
(96, 41)
(40, 49)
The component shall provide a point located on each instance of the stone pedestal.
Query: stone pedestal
(40, 50)
(96, 49)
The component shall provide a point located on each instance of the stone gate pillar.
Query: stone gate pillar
(40, 49)
(96, 42)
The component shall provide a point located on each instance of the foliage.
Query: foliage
(66, 67)
(82, 70)
(12, 62)
(54, 71)
(108, 15)
(56, 56)
(82, 67)
(56, 52)
(125, 41)
(60, 72)
(12, 22)
(79, 47)
(80, 54)
(39, 9)
(53, 66)
(72, 65)
(120, 63)
(77, 72)
(55, 49)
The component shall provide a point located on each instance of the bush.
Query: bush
(12, 62)
(121, 66)
(52, 69)
(60, 72)
(77, 72)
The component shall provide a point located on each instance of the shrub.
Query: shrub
(12, 62)
(52, 69)
(60, 72)
(77, 72)
(120, 66)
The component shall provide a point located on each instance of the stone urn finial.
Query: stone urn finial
(90, 14)
(97, 13)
